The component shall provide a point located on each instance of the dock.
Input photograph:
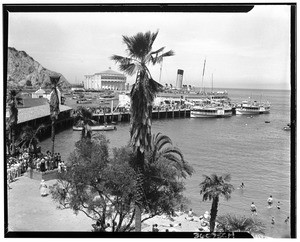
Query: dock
(156, 114)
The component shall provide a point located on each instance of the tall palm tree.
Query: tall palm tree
(140, 54)
(163, 151)
(83, 118)
(234, 223)
(13, 100)
(54, 107)
(212, 188)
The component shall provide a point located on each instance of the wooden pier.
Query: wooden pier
(156, 114)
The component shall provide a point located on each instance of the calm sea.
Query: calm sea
(252, 151)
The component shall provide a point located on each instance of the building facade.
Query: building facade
(109, 79)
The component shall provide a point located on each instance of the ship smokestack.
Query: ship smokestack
(179, 79)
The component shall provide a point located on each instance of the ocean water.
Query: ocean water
(252, 151)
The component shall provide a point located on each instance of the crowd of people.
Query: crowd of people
(19, 163)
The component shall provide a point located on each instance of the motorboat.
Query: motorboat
(287, 127)
(249, 108)
(97, 128)
(211, 111)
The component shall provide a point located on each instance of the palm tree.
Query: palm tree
(140, 54)
(83, 118)
(29, 136)
(212, 187)
(12, 101)
(54, 107)
(234, 223)
(163, 151)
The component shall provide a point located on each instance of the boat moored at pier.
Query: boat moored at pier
(211, 111)
(250, 108)
(96, 128)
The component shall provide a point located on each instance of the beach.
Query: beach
(29, 211)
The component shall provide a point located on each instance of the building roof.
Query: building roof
(27, 114)
(41, 91)
(32, 102)
(110, 72)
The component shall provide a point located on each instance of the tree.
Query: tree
(140, 54)
(165, 169)
(29, 136)
(212, 188)
(234, 223)
(12, 101)
(104, 187)
(54, 107)
(83, 117)
(162, 151)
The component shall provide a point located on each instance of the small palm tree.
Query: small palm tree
(212, 188)
(29, 136)
(234, 223)
(163, 151)
(140, 54)
(54, 107)
(13, 100)
(83, 118)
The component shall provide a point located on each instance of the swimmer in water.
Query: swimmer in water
(253, 209)
(242, 185)
(270, 201)
(273, 220)
(278, 205)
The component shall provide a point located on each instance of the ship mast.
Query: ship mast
(212, 83)
(160, 70)
(203, 74)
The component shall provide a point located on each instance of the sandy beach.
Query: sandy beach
(28, 211)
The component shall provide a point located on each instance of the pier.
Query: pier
(156, 114)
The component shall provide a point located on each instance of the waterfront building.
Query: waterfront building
(41, 93)
(77, 88)
(109, 79)
(34, 116)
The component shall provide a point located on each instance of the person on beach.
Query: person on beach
(270, 201)
(190, 215)
(43, 189)
(253, 209)
(287, 220)
(278, 205)
(155, 228)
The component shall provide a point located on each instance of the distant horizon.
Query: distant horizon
(241, 50)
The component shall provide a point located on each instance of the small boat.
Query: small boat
(267, 122)
(248, 107)
(287, 127)
(84, 101)
(211, 111)
(97, 128)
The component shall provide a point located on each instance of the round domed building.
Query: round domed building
(109, 79)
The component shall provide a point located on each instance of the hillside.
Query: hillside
(24, 71)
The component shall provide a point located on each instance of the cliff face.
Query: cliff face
(23, 70)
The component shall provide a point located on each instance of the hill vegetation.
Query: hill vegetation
(24, 71)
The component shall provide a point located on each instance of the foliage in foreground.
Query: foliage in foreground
(104, 187)
(234, 223)
(212, 188)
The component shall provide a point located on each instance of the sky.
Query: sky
(242, 50)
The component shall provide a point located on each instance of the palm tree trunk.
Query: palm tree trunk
(53, 135)
(139, 200)
(213, 213)
(13, 149)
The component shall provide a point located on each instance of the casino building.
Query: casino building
(109, 79)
